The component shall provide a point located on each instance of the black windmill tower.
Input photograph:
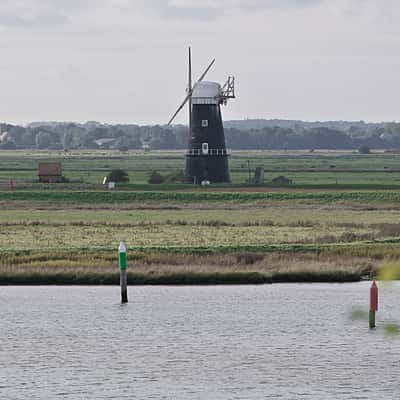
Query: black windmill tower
(206, 158)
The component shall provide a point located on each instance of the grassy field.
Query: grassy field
(318, 168)
(184, 234)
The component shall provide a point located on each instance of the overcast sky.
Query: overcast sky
(125, 60)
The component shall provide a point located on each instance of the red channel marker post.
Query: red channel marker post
(373, 304)
(11, 184)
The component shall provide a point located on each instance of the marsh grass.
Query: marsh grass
(323, 197)
(249, 268)
(188, 228)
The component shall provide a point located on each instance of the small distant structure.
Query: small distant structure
(50, 172)
(146, 148)
(281, 180)
(105, 143)
(259, 176)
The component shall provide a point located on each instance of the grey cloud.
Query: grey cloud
(207, 9)
(40, 20)
(40, 13)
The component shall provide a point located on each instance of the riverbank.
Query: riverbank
(186, 269)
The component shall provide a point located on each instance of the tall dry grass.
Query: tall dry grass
(184, 268)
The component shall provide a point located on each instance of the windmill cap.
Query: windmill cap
(206, 93)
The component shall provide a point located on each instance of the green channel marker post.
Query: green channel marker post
(123, 277)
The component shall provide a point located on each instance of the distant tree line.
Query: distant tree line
(240, 135)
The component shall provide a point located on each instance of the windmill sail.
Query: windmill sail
(190, 91)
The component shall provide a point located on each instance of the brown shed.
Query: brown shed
(50, 172)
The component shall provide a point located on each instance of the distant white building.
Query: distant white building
(105, 142)
(146, 147)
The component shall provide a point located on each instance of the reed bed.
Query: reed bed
(237, 268)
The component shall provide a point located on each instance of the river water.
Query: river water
(216, 342)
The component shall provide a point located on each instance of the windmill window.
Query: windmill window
(204, 123)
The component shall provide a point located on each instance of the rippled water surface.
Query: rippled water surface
(217, 342)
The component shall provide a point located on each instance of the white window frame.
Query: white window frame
(204, 148)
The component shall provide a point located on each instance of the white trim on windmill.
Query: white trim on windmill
(206, 93)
